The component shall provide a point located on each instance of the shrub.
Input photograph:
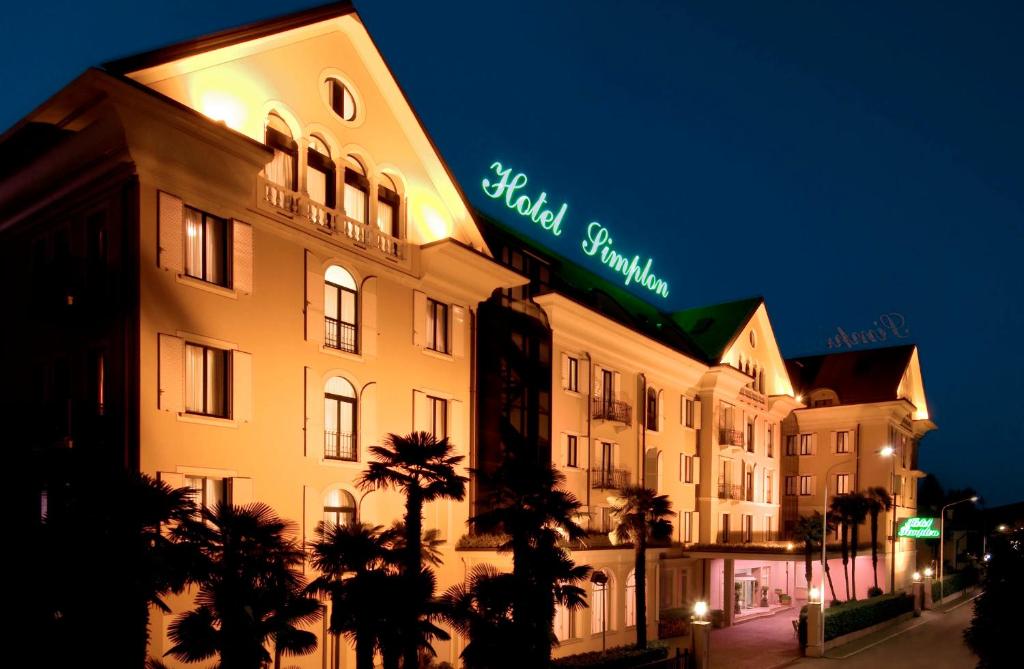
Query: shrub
(955, 582)
(801, 627)
(874, 592)
(673, 622)
(619, 657)
(857, 615)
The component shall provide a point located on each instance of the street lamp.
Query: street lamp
(600, 578)
(942, 542)
(890, 452)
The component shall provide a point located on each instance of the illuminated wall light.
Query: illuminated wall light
(225, 108)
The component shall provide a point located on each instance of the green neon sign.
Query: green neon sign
(918, 528)
(597, 241)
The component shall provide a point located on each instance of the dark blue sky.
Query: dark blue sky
(842, 159)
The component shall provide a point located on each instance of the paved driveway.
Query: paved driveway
(758, 644)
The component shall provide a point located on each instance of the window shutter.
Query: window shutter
(457, 428)
(696, 469)
(240, 491)
(241, 387)
(419, 319)
(171, 373)
(598, 382)
(617, 392)
(314, 409)
(651, 469)
(832, 441)
(368, 328)
(698, 419)
(314, 300)
(172, 231)
(814, 485)
(695, 526)
(565, 370)
(369, 432)
(661, 410)
(420, 417)
(241, 268)
(173, 479)
(458, 331)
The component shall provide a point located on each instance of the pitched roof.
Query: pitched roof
(857, 377)
(714, 328)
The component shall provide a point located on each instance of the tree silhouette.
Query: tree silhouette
(808, 530)
(525, 501)
(423, 468)
(878, 500)
(481, 610)
(992, 634)
(250, 589)
(641, 515)
(858, 507)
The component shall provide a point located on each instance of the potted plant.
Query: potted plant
(718, 618)
(739, 589)
(784, 599)
(764, 596)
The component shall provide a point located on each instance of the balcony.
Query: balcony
(729, 437)
(604, 478)
(754, 397)
(331, 221)
(339, 335)
(729, 491)
(339, 446)
(611, 409)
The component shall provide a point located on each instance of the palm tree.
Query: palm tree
(352, 560)
(423, 468)
(878, 500)
(525, 502)
(641, 515)
(481, 610)
(842, 507)
(250, 589)
(858, 510)
(808, 530)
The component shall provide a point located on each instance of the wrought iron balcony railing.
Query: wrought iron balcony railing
(730, 437)
(339, 446)
(604, 478)
(612, 409)
(729, 491)
(339, 335)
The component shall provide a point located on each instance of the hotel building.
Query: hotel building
(248, 263)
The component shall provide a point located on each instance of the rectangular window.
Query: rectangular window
(688, 411)
(723, 531)
(750, 436)
(205, 492)
(438, 416)
(748, 528)
(687, 469)
(842, 483)
(768, 488)
(805, 444)
(571, 450)
(790, 485)
(206, 247)
(341, 325)
(769, 447)
(769, 530)
(688, 526)
(573, 379)
(437, 326)
(805, 485)
(842, 442)
(207, 385)
(791, 444)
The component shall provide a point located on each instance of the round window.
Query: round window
(340, 98)
(753, 339)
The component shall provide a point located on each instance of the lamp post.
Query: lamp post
(890, 452)
(600, 578)
(942, 542)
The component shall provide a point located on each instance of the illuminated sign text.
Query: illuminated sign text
(597, 240)
(918, 528)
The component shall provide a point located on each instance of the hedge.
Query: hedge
(618, 657)
(673, 623)
(955, 582)
(856, 615)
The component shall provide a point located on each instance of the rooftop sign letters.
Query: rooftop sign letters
(596, 242)
(918, 528)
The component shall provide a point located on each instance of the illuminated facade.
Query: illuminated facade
(250, 263)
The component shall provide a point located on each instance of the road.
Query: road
(934, 641)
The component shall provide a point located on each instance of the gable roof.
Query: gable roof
(857, 377)
(714, 328)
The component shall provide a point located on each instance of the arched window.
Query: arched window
(341, 310)
(339, 508)
(357, 190)
(652, 409)
(599, 604)
(760, 381)
(320, 178)
(283, 169)
(388, 204)
(339, 420)
(631, 599)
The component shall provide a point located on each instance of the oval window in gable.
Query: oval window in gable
(340, 98)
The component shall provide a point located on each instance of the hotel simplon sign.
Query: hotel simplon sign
(918, 528)
(597, 240)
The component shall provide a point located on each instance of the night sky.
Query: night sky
(845, 160)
